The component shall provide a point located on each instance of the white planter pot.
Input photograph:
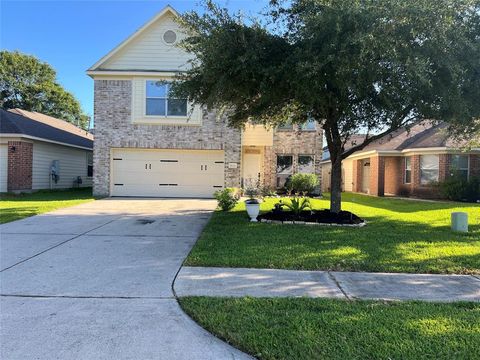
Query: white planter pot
(253, 210)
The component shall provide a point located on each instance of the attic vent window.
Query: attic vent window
(170, 36)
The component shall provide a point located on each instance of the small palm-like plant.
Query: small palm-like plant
(297, 205)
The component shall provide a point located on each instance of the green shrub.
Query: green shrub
(302, 183)
(297, 205)
(458, 189)
(227, 198)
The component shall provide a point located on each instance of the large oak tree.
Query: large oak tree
(369, 66)
(30, 84)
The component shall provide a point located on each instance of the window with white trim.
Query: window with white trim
(408, 170)
(159, 103)
(459, 166)
(306, 164)
(429, 166)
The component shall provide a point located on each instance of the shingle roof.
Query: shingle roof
(13, 123)
(57, 123)
(421, 135)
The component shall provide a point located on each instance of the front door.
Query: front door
(251, 169)
(366, 176)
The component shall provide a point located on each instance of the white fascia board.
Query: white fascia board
(98, 74)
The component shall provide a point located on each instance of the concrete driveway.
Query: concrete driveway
(94, 281)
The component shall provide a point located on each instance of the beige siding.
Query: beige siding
(347, 173)
(194, 117)
(149, 52)
(257, 135)
(3, 167)
(326, 169)
(73, 163)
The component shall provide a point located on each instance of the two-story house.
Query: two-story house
(149, 144)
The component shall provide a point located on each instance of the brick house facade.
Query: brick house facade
(409, 162)
(388, 174)
(141, 149)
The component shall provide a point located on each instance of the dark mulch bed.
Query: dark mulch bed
(317, 216)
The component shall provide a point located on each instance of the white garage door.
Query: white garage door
(3, 167)
(167, 173)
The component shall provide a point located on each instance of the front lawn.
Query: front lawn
(401, 236)
(16, 207)
(304, 328)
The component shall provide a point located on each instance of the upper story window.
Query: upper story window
(310, 125)
(459, 166)
(408, 170)
(285, 127)
(158, 102)
(429, 166)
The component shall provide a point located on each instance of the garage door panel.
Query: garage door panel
(167, 173)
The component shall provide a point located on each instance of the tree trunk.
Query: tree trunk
(336, 185)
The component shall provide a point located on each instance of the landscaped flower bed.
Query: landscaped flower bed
(317, 217)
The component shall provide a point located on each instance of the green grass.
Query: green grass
(401, 236)
(304, 328)
(16, 207)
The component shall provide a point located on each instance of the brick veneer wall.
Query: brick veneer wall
(20, 158)
(293, 143)
(377, 175)
(394, 173)
(114, 129)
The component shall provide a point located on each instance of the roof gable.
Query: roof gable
(146, 50)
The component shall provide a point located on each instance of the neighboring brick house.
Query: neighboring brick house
(31, 143)
(147, 144)
(407, 163)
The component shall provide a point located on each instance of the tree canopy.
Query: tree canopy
(29, 84)
(354, 66)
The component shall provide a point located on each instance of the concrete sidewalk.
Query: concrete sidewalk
(237, 282)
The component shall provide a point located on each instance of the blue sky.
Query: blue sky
(73, 35)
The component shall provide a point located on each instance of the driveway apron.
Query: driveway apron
(94, 281)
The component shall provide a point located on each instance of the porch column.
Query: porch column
(377, 175)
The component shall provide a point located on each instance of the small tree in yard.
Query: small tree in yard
(355, 66)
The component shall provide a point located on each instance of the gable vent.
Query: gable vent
(170, 37)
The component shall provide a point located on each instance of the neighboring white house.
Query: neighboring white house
(40, 152)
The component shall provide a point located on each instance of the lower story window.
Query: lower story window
(429, 165)
(459, 166)
(306, 164)
(89, 164)
(284, 164)
(408, 170)
(284, 168)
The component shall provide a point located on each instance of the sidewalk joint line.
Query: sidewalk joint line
(476, 277)
(338, 285)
